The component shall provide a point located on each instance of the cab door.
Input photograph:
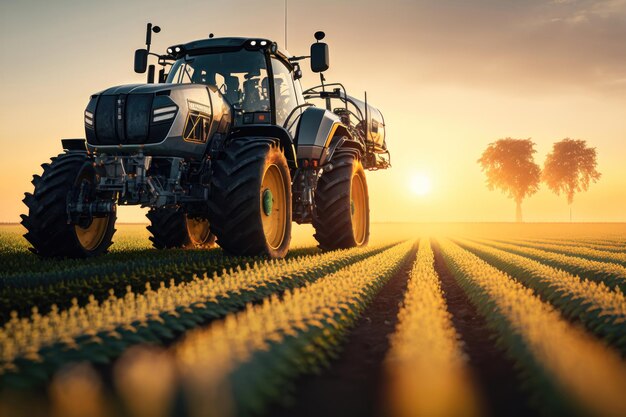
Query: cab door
(286, 96)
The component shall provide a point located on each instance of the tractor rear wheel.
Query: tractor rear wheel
(68, 177)
(251, 198)
(342, 217)
(173, 228)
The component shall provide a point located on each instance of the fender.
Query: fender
(316, 130)
(343, 143)
(74, 145)
(270, 131)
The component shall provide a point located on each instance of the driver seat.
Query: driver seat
(232, 88)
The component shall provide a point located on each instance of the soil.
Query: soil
(352, 386)
(494, 373)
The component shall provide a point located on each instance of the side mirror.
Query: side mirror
(141, 60)
(319, 57)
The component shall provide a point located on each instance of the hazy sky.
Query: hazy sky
(449, 76)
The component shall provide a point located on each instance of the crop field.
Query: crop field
(427, 320)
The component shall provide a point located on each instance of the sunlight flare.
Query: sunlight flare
(420, 184)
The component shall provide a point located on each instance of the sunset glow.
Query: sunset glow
(449, 78)
(420, 184)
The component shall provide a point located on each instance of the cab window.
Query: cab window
(240, 76)
(284, 91)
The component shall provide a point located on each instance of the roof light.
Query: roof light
(263, 43)
(253, 43)
(177, 49)
(169, 50)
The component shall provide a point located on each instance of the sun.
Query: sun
(420, 184)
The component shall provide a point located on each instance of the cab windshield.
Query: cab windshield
(241, 76)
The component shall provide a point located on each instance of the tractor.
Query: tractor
(224, 148)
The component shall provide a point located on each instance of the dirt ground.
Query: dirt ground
(354, 385)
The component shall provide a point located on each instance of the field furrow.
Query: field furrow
(559, 361)
(426, 365)
(247, 360)
(59, 285)
(613, 275)
(600, 309)
(31, 348)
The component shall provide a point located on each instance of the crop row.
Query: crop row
(574, 250)
(15, 256)
(54, 271)
(611, 274)
(600, 309)
(610, 247)
(559, 360)
(250, 358)
(19, 292)
(32, 348)
(238, 364)
(606, 240)
(425, 364)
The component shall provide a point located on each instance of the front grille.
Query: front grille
(125, 119)
(105, 124)
(138, 114)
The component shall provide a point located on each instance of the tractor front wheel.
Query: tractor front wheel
(70, 177)
(251, 198)
(342, 215)
(173, 228)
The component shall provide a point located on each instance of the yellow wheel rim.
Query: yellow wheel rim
(91, 237)
(198, 230)
(358, 209)
(273, 206)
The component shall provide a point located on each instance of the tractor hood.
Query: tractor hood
(139, 89)
(152, 117)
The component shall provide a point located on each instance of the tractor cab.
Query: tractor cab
(253, 75)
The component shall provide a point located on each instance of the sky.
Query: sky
(450, 76)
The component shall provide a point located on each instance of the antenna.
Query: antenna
(285, 24)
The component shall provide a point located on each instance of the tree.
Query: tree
(570, 168)
(510, 167)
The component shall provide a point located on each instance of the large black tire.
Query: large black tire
(250, 205)
(47, 225)
(171, 228)
(341, 217)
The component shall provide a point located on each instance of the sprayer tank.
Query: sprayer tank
(374, 121)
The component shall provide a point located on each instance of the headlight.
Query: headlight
(164, 113)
